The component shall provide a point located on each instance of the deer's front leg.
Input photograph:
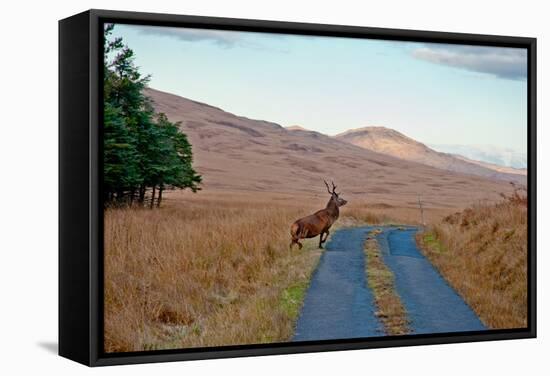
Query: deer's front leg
(321, 240)
(326, 236)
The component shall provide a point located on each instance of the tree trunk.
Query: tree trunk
(119, 196)
(153, 197)
(141, 198)
(159, 199)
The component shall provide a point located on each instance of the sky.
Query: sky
(438, 94)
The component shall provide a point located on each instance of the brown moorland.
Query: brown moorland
(207, 269)
(214, 268)
(235, 153)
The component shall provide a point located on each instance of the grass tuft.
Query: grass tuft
(390, 309)
(292, 299)
(430, 241)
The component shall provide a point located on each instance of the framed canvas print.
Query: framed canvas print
(234, 187)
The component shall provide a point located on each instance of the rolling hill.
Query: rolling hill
(235, 153)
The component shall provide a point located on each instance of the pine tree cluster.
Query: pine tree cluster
(144, 153)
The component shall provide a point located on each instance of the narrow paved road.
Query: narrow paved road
(339, 304)
(432, 305)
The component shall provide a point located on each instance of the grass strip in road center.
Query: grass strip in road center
(380, 279)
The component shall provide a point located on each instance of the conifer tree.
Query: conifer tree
(142, 150)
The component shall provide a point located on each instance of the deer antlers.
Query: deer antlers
(333, 187)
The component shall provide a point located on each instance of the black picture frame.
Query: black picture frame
(80, 206)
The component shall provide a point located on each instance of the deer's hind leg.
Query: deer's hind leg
(296, 241)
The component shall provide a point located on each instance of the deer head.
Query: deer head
(335, 196)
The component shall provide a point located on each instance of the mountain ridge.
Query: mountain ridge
(391, 142)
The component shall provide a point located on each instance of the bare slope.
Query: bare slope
(394, 143)
(234, 153)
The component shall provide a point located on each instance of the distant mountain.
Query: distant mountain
(499, 168)
(391, 142)
(237, 154)
(490, 154)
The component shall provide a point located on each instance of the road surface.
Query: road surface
(339, 304)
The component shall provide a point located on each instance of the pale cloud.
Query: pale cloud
(219, 37)
(507, 63)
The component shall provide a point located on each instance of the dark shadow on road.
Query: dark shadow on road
(50, 347)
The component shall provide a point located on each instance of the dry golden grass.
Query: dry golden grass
(214, 268)
(384, 213)
(389, 308)
(482, 252)
(203, 271)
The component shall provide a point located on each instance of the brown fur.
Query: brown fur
(319, 222)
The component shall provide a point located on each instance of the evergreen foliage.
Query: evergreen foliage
(143, 152)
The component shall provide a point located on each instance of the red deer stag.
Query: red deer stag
(319, 222)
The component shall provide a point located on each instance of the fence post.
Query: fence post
(421, 211)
